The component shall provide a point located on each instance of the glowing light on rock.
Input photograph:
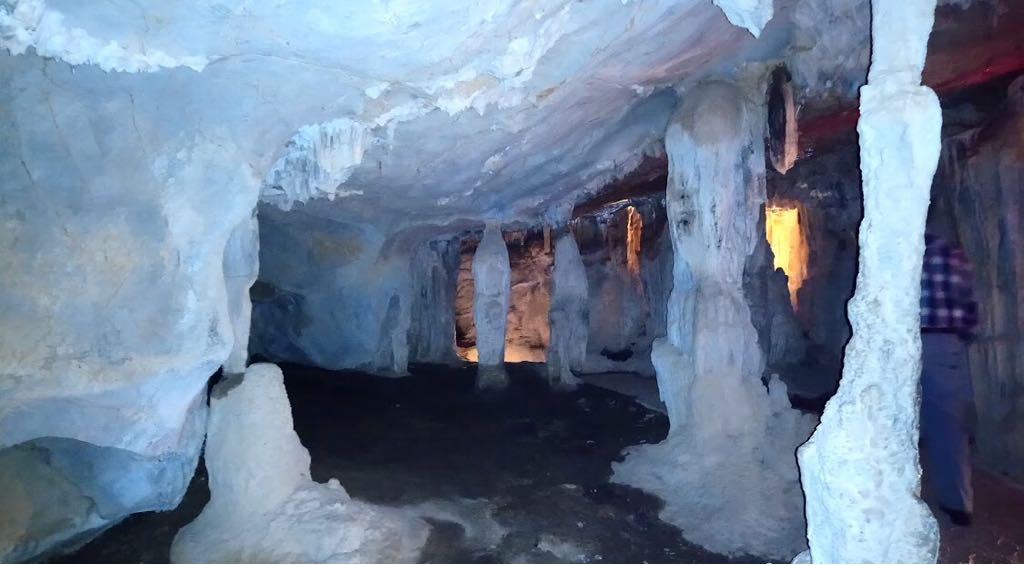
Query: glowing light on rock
(787, 241)
(634, 231)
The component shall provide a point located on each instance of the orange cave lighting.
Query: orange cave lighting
(786, 238)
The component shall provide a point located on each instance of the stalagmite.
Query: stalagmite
(492, 274)
(569, 313)
(241, 266)
(736, 462)
(860, 470)
(264, 507)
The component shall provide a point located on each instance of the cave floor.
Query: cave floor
(997, 534)
(519, 475)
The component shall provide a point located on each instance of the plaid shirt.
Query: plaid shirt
(947, 297)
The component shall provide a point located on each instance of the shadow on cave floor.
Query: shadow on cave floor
(519, 475)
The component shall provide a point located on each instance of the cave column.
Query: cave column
(715, 193)
(725, 426)
(860, 470)
(241, 267)
(492, 275)
(569, 314)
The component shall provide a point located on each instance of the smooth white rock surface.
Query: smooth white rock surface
(241, 267)
(749, 14)
(264, 507)
(113, 300)
(408, 111)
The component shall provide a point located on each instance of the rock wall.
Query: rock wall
(114, 310)
(860, 469)
(435, 269)
(331, 294)
(771, 312)
(627, 308)
(735, 462)
(981, 177)
(825, 189)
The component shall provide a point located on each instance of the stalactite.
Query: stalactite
(860, 470)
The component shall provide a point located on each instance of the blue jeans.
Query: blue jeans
(946, 398)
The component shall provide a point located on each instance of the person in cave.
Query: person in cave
(949, 314)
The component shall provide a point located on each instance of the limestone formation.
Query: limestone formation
(331, 294)
(860, 470)
(140, 136)
(241, 267)
(733, 462)
(435, 266)
(570, 313)
(491, 276)
(113, 299)
(264, 507)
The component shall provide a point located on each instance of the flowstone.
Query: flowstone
(264, 506)
(726, 470)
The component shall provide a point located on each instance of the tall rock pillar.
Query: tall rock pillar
(860, 470)
(492, 275)
(726, 471)
(569, 315)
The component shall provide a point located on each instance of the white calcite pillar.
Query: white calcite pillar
(241, 267)
(264, 506)
(492, 275)
(860, 470)
(569, 314)
(726, 471)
